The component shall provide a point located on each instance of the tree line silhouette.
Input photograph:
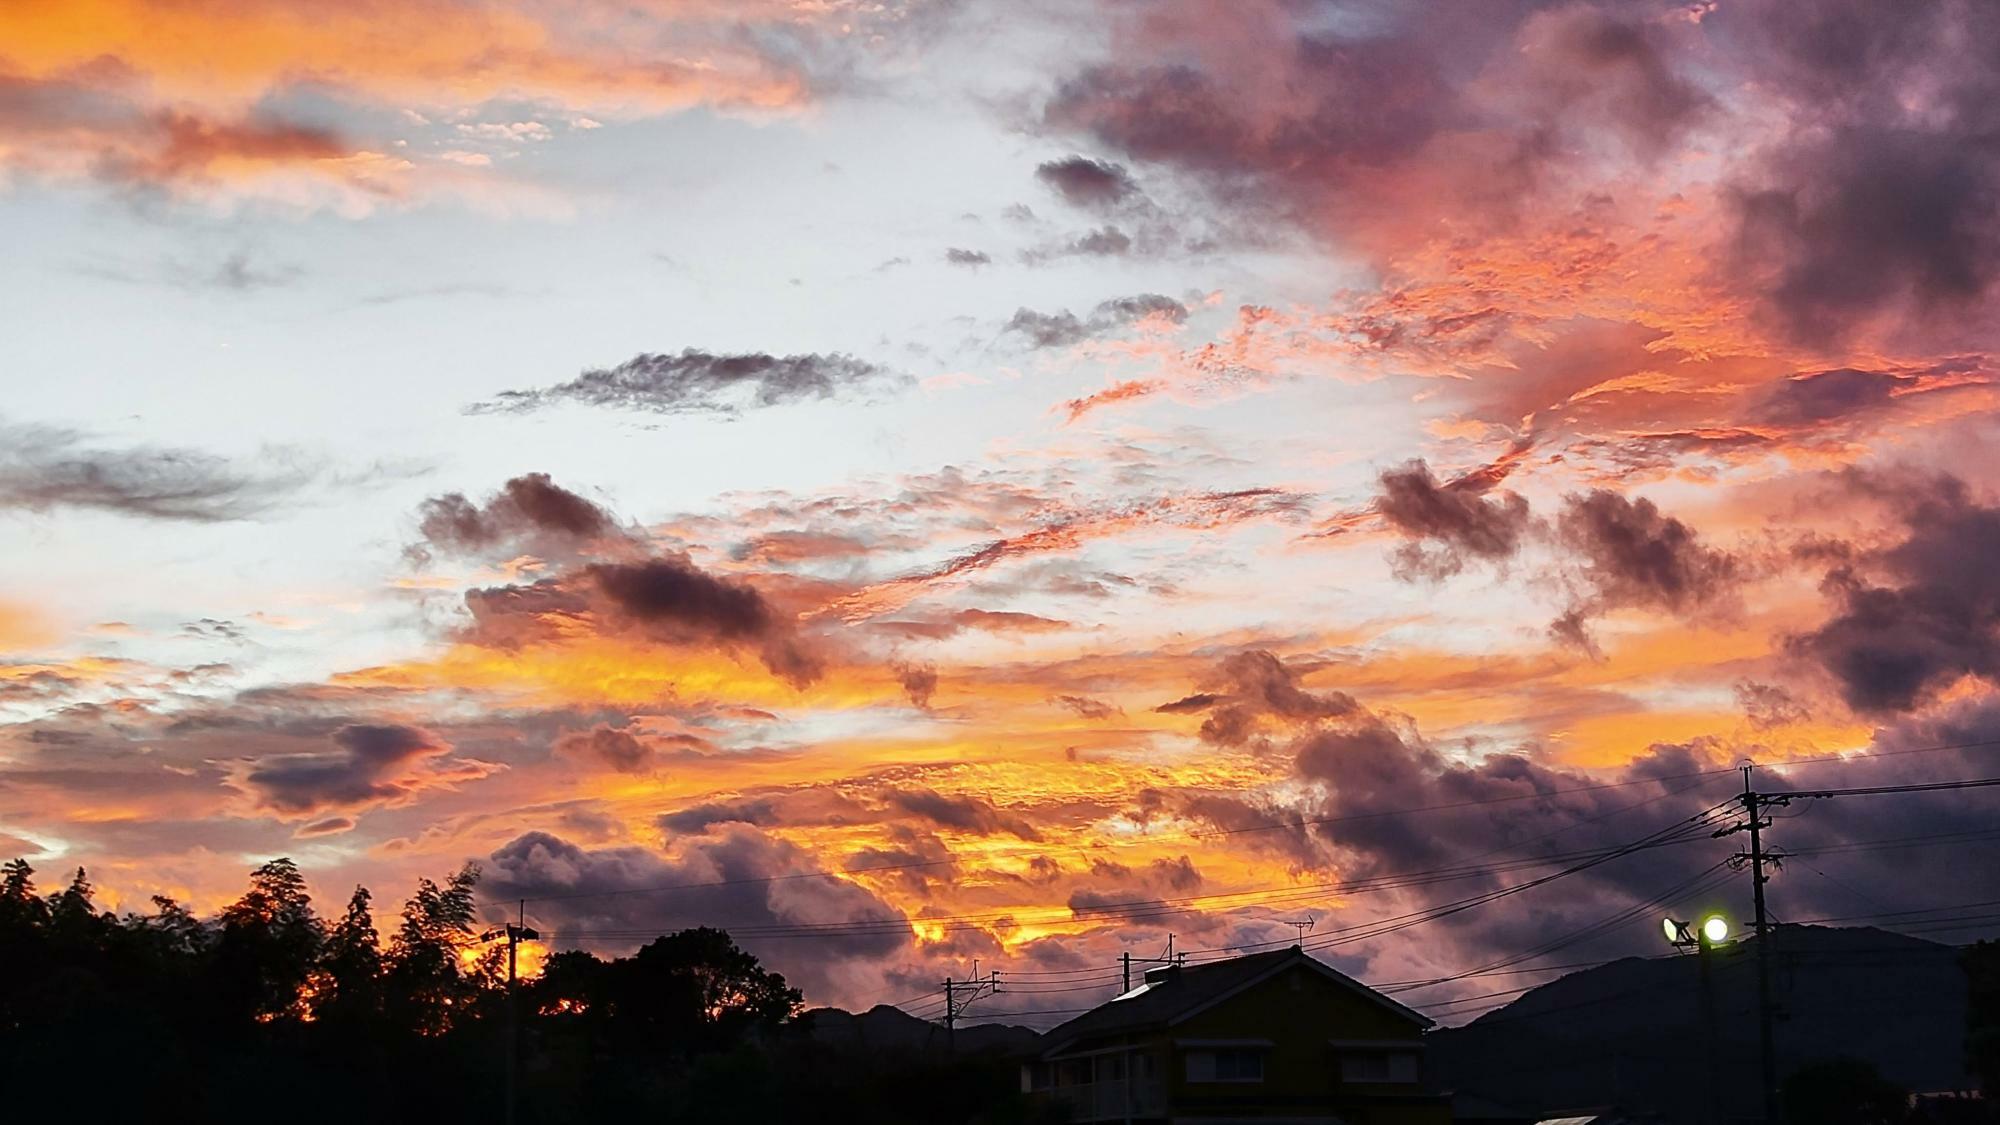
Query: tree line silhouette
(267, 1009)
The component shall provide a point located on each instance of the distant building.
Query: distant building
(1270, 1038)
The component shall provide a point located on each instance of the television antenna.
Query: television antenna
(1302, 925)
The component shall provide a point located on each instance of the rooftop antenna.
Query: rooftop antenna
(1302, 926)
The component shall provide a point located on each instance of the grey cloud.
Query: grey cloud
(46, 469)
(735, 880)
(1088, 183)
(370, 764)
(621, 750)
(529, 513)
(964, 814)
(1824, 396)
(1063, 328)
(1248, 689)
(1107, 241)
(1632, 555)
(696, 381)
(1456, 516)
(1915, 616)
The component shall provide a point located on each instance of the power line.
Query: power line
(1849, 758)
(1139, 909)
(1878, 790)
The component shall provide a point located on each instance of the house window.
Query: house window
(1378, 1066)
(1225, 1065)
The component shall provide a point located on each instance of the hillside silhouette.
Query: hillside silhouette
(1630, 1032)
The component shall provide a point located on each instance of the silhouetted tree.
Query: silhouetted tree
(73, 917)
(428, 982)
(348, 986)
(173, 928)
(19, 907)
(24, 920)
(199, 1014)
(269, 944)
(696, 990)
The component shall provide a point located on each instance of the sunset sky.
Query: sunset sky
(1085, 469)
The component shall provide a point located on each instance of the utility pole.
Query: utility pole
(515, 933)
(1754, 806)
(950, 1019)
(957, 998)
(1126, 959)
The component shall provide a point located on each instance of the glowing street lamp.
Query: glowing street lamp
(1702, 938)
(1712, 930)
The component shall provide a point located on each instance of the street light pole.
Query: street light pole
(1703, 939)
(1705, 955)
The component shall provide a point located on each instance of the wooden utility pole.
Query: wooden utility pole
(515, 932)
(1755, 806)
(950, 1019)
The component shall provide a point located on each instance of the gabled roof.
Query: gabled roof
(1169, 997)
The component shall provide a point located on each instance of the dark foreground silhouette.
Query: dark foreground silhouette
(269, 1012)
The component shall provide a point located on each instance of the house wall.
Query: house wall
(1300, 1011)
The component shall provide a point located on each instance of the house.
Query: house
(1269, 1038)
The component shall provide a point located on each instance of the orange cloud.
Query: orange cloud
(177, 96)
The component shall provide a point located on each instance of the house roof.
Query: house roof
(1168, 997)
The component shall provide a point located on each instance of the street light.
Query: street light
(1713, 930)
(1702, 938)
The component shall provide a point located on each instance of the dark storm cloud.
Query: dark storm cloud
(530, 512)
(1879, 200)
(665, 596)
(1189, 704)
(737, 879)
(371, 764)
(621, 750)
(697, 381)
(1328, 126)
(786, 806)
(1088, 183)
(46, 469)
(1363, 773)
(1456, 516)
(672, 599)
(696, 819)
(962, 814)
(674, 594)
(1064, 328)
(1248, 688)
(1630, 555)
(1916, 616)
(1824, 396)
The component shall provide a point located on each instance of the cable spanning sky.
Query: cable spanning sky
(1086, 471)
